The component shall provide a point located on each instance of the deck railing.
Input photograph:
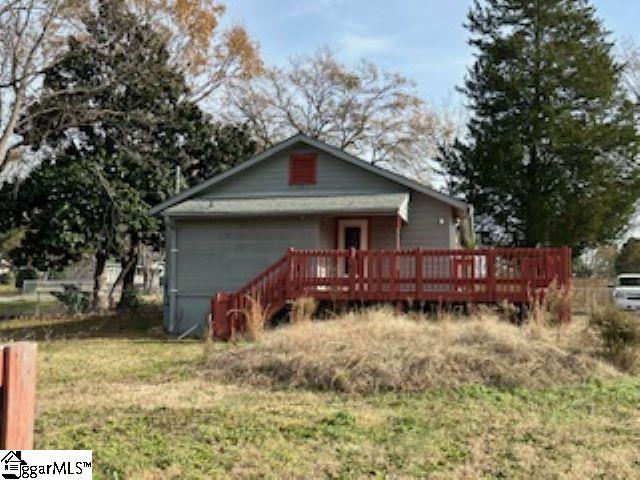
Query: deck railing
(516, 275)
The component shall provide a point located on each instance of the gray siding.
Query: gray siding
(383, 233)
(223, 255)
(424, 229)
(271, 177)
(327, 233)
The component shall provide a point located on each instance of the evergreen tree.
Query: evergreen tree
(551, 153)
(112, 125)
(628, 259)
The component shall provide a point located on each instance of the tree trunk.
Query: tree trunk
(100, 288)
(129, 263)
(146, 264)
(8, 132)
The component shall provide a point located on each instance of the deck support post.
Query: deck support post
(221, 316)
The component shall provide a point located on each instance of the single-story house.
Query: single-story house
(301, 193)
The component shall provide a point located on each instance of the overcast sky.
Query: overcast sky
(422, 39)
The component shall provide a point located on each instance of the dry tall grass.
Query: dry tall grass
(256, 316)
(377, 350)
(553, 308)
(303, 309)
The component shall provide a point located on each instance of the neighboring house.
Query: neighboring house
(301, 193)
(5, 266)
(147, 279)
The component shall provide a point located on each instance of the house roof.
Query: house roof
(459, 205)
(390, 203)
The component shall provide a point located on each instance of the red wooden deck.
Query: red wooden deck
(483, 276)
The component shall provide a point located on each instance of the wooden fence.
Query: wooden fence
(17, 395)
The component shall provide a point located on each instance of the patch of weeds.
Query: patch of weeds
(620, 334)
(337, 425)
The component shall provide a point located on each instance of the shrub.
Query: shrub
(25, 274)
(134, 301)
(75, 300)
(620, 335)
(7, 279)
(303, 309)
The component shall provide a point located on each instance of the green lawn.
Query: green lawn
(28, 306)
(6, 290)
(142, 404)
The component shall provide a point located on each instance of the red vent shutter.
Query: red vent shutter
(302, 169)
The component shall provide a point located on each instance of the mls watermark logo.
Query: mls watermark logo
(46, 464)
(11, 464)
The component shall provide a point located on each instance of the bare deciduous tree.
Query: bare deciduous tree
(630, 57)
(31, 34)
(206, 54)
(28, 31)
(631, 62)
(364, 110)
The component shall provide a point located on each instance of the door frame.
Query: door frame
(365, 231)
(365, 237)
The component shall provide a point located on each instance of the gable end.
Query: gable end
(461, 207)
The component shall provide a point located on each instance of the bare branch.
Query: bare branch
(631, 68)
(27, 27)
(362, 109)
